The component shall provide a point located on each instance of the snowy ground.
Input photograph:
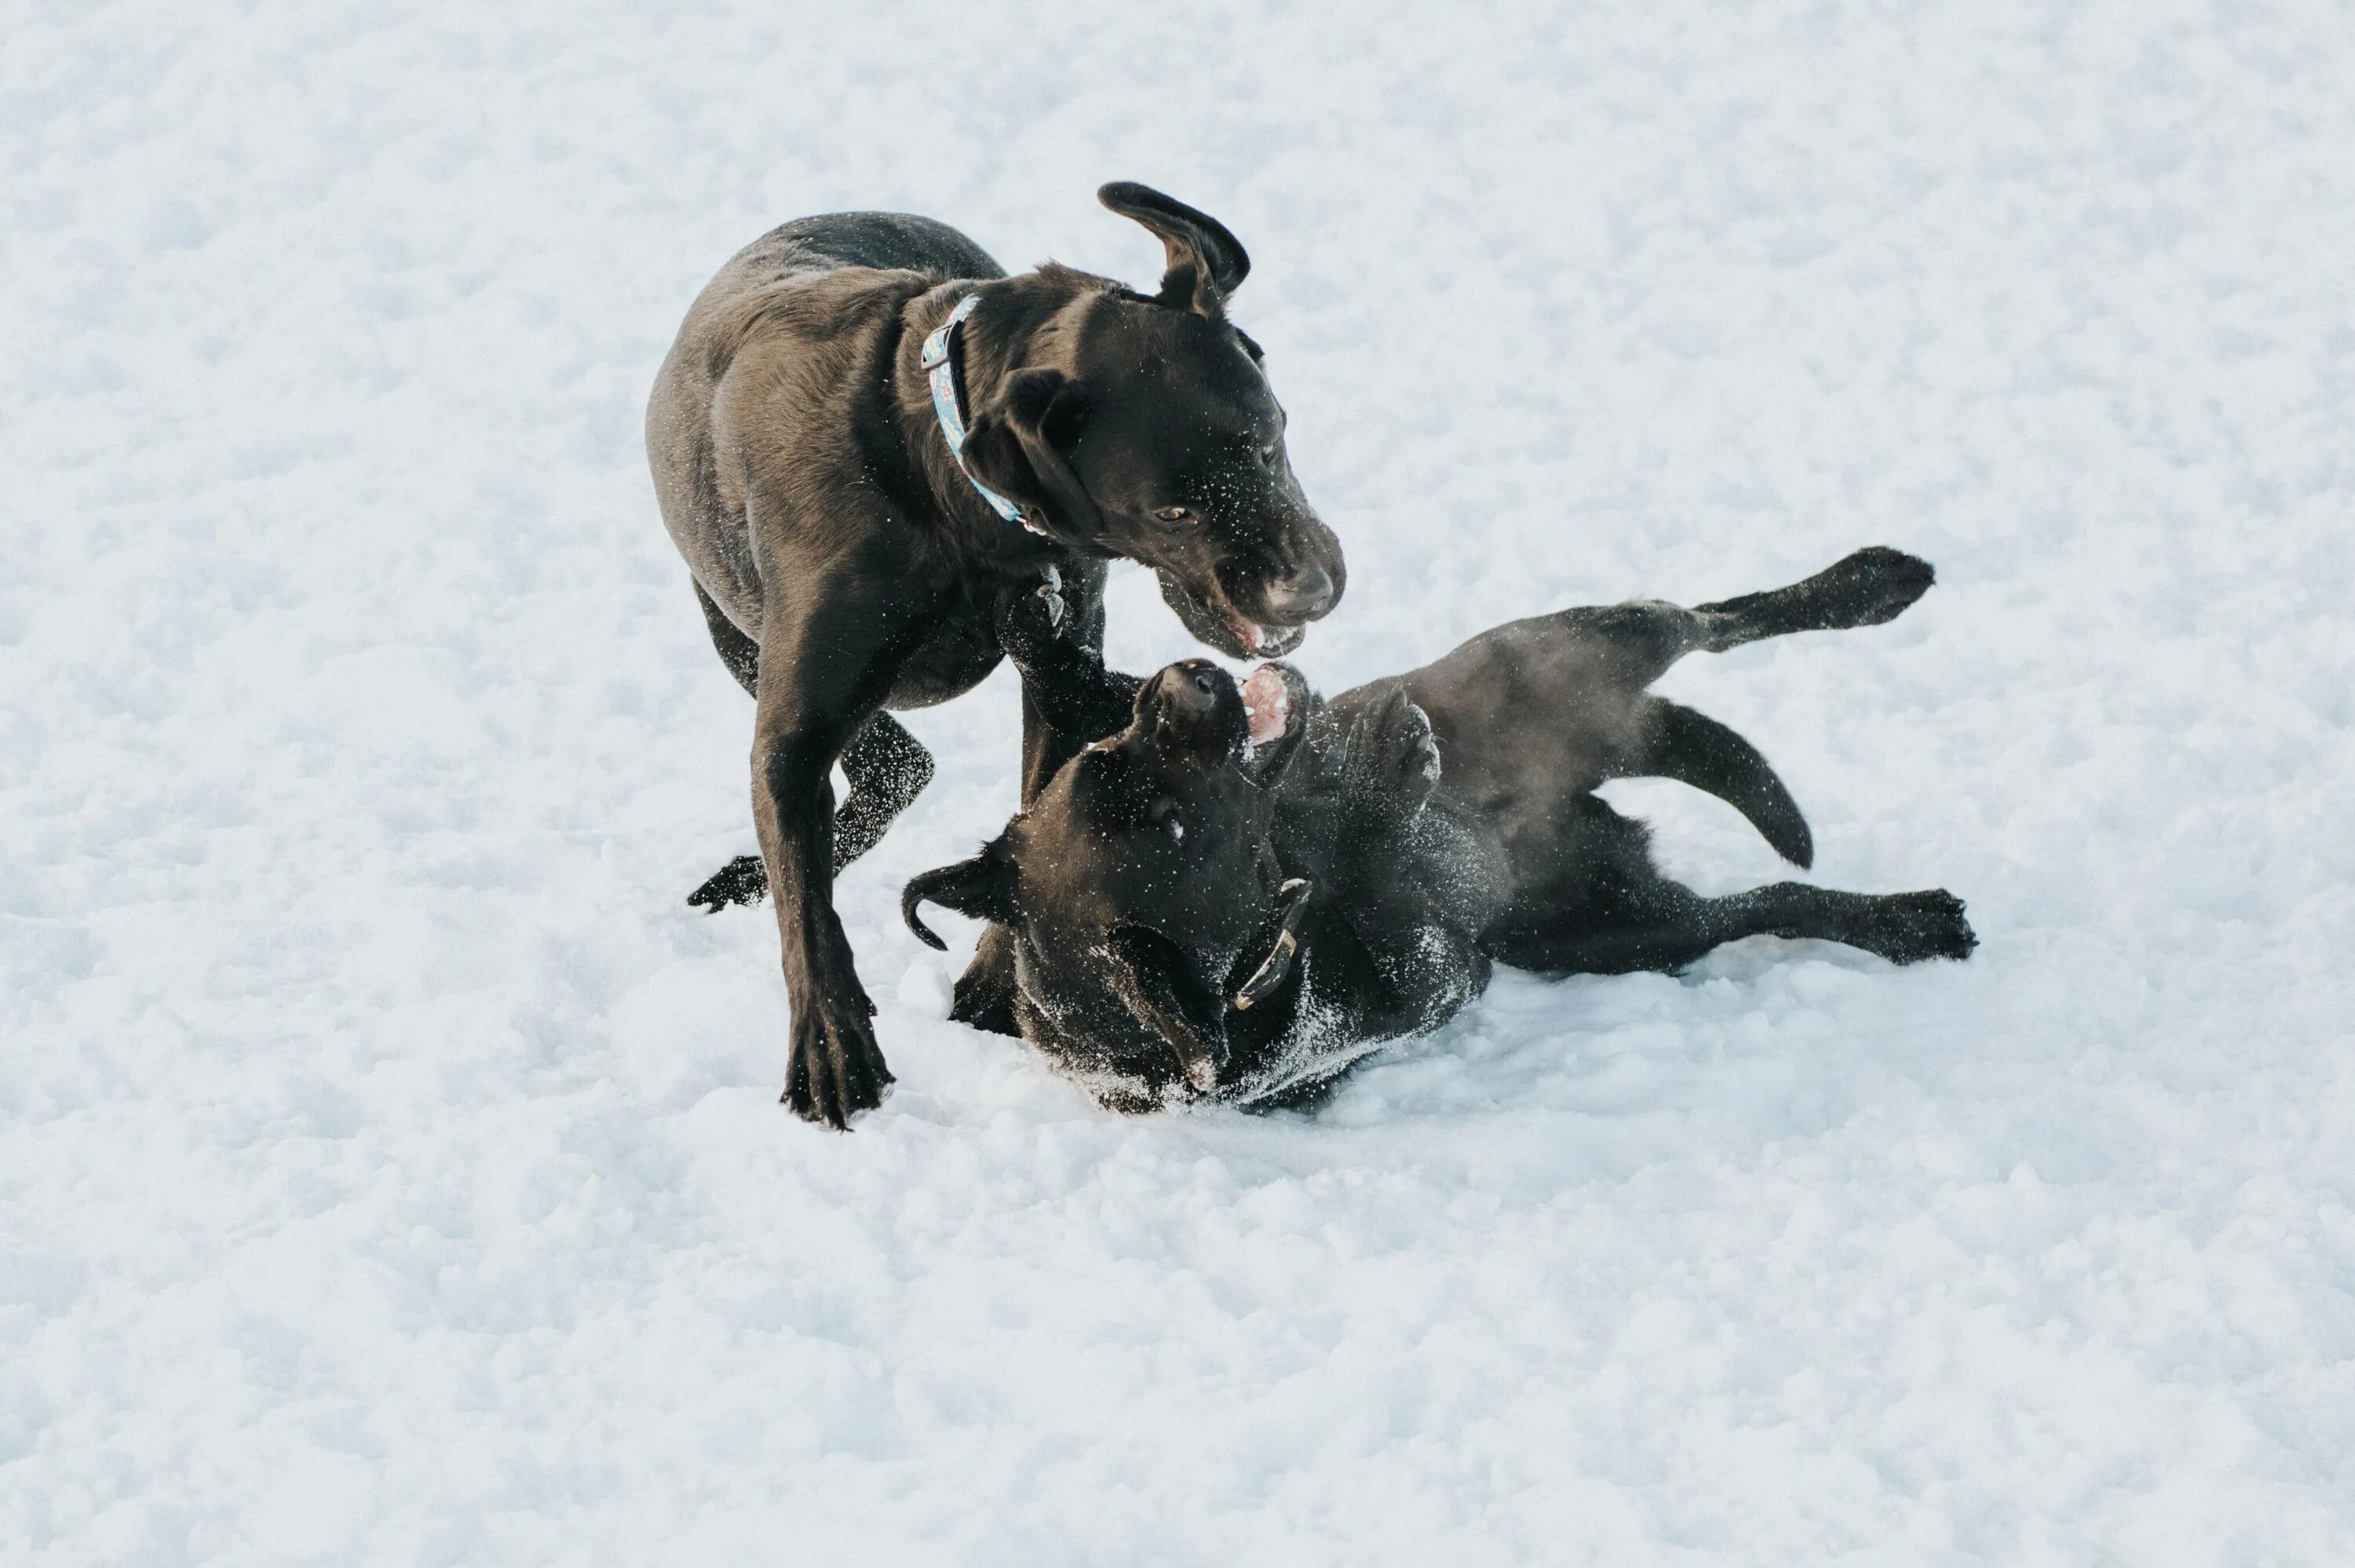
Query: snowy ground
(390, 1170)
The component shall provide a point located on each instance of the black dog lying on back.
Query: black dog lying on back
(1245, 890)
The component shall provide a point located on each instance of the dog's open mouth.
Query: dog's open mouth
(1213, 617)
(1266, 643)
(1268, 702)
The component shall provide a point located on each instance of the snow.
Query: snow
(391, 1170)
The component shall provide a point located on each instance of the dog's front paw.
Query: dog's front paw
(1414, 753)
(835, 1069)
(1031, 621)
(1396, 762)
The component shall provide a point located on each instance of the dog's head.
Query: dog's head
(1144, 426)
(1142, 888)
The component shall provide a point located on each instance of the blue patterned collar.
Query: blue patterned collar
(941, 370)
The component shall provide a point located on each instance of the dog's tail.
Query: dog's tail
(1693, 748)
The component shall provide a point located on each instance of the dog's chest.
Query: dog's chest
(957, 650)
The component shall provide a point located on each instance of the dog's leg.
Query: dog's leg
(1668, 927)
(1694, 750)
(824, 667)
(888, 769)
(737, 651)
(887, 766)
(1079, 670)
(1631, 645)
(984, 995)
(1066, 693)
(1663, 924)
(1873, 586)
(743, 880)
(1607, 909)
(1642, 638)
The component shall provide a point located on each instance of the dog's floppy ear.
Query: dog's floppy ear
(1206, 264)
(1018, 445)
(982, 887)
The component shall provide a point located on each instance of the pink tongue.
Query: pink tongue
(1246, 631)
(1268, 703)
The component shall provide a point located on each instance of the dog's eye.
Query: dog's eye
(1174, 515)
(1267, 454)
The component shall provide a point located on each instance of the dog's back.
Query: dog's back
(749, 308)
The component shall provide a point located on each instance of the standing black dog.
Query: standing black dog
(800, 437)
(1395, 842)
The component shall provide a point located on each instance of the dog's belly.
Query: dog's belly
(951, 660)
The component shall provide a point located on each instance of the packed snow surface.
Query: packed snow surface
(390, 1166)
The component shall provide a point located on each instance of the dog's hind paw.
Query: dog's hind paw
(1909, 927)
(744, 880)
(1875, 584)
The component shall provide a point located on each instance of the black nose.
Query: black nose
(1305, 595)
(1191, 687)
